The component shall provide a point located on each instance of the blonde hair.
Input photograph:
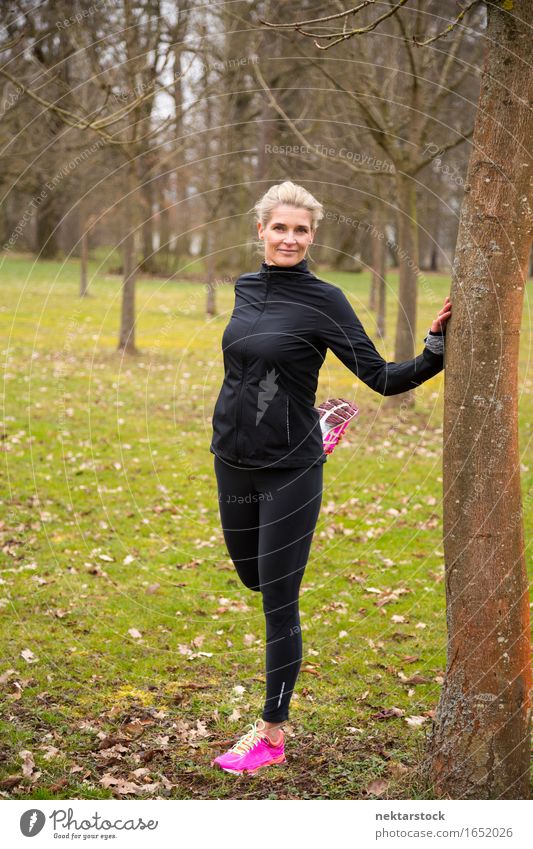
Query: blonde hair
(292, 195)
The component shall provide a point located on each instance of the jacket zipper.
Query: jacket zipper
(288, 427)
(245, 369)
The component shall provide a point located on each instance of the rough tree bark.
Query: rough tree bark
(480, 741)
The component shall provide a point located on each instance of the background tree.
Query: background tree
(393, 101)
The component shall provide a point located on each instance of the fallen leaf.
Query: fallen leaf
(133, 632)
(415, 720)
(28, 764)
(28, 656)
(417, 679)
(135, 729)
(377, 787)
(388, 713)
(6, 676)
(50, 752)
(126, 788)
(10, 782)
(397, 768)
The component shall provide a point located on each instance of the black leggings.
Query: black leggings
(268, 520)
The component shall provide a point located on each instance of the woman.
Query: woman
(267, 439)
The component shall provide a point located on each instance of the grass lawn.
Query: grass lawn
(131, 653)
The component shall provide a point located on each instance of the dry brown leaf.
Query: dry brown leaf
(140, 772)
(50, 752)
(417, 679)
(134, 729)
(397, 768)
(377, 787)
(126, 788)
(10, 782)
(6, 676)
(388, 713)
(28, 764)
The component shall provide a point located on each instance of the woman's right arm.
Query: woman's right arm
(342, 332)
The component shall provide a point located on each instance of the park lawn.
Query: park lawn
(131, 654)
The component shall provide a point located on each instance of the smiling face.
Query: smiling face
(287, 235)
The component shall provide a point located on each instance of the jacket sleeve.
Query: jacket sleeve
(342, 332)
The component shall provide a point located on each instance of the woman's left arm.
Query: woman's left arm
(342, 332)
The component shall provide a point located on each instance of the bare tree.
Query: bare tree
(480, 742)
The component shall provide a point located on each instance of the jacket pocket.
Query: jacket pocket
(271, 432)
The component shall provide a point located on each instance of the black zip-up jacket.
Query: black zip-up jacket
(282, 324)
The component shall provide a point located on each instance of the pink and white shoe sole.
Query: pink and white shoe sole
(331, 411)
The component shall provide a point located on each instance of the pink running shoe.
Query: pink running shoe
(335, 416)
(252, 751)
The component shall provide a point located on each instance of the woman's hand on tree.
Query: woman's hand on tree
(439, 324)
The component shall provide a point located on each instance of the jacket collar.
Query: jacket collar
(301, 267)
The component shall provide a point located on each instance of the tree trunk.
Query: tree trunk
(127, 318)
(210, 267)
(47, 230)
(179, 211)
(408, 273)
(84, 280)
(480, 742)
(148, 263)
(382, 293)
(377, 289)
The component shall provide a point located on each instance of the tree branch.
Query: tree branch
(340, 35)
(275, 105)
(450, 27)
